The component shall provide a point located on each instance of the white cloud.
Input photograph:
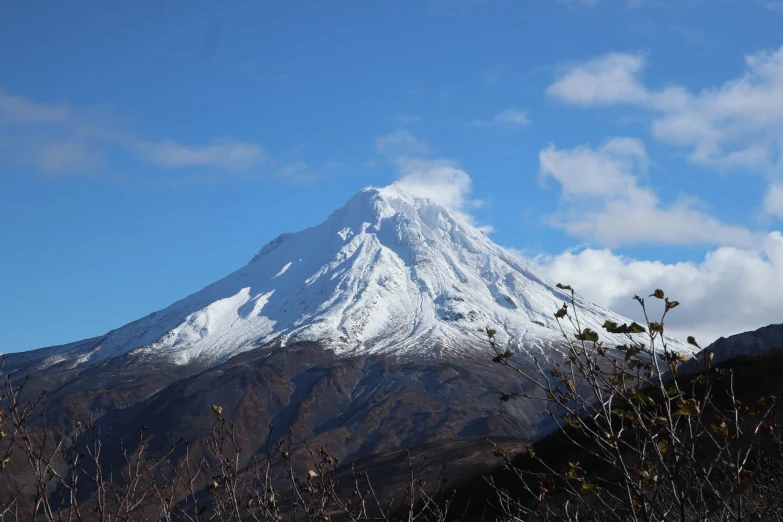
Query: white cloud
(20, 110)
(48, 152)
(730, 291)
(400, 143)
(735, 124)
(507, 117)
(606, 172)
(773, 201)
(221, 153)
(61, 139)
(439, 179)
(602, 200)
(609, 79)
(296, 172)
(65, 157)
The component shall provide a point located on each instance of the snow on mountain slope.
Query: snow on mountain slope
(388, 272)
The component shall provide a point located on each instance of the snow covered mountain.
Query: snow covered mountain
(387, 272)
(364, 333)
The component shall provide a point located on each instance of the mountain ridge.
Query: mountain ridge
(386, 272)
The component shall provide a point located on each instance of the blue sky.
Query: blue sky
(147, 150)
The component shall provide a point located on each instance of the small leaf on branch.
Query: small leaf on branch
(721, 429)
(635, 328)
(656, 327)
(588, 487)
(587, 335)
(612, 327)
(688, 408)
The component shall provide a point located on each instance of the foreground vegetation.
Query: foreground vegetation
(645, 433)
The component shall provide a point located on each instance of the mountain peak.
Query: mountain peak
(371, 207)
(376, 204)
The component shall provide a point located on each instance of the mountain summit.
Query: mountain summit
(387, 272)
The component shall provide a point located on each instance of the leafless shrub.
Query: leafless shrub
(78, 477)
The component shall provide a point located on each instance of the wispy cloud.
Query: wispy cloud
(405, 119)
(298, 171)
(773, 200)
(507, 117)
(69, 156)
(58, 139)
(19, 110)
(400, 143)
(439, 179)
(223, 153)
(602, 201)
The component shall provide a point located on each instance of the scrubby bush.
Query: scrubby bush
(82, 477)
(646, 433)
